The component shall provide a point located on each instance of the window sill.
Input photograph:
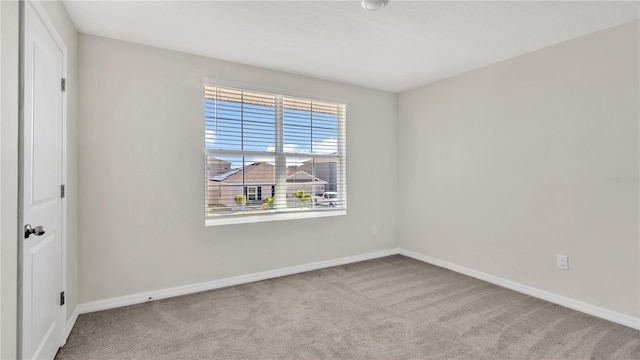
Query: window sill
(249, 219)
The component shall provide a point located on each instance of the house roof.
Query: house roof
(215, 160)
(256, 173)
(262, 173)
(303, 177)
(226, 175)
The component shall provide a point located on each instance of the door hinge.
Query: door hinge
(63, 84)
(62, 298)
(62, 191)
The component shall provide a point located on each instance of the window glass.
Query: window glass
(269, 153)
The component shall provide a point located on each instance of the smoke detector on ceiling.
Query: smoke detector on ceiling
(373, 5)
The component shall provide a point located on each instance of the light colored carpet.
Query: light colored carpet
(389, 308)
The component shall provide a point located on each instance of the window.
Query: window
(270, 154)
(251, 192)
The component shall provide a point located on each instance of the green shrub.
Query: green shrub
(268, 203)
(240, 199)
(299, 194)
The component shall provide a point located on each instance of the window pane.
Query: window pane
(258, 128)
(329, 193)
(239, 120)
(270, 153)
(309, 126)
(328, 170)
(224, 181)
(301, 185)
(248, 187)
(259, 179)
(251, 193)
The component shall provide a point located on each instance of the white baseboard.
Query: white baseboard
(221, 283)
(597, 311)
(71, 323)
(138, 298)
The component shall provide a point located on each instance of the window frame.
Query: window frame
(251, 191)
(280, 157)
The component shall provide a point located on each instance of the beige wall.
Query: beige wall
(9, 176)
(9, 165)
(0, 181)
(503, 168)
(142, 118)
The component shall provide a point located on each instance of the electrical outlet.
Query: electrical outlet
(374, 230)
(562, 262)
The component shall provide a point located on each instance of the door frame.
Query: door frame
(49, 25)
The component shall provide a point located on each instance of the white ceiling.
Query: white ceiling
(404, 45)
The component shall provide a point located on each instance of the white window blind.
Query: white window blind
(269, 153)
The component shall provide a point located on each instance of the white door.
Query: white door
(42, 323)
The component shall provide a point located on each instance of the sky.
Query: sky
(236, 126)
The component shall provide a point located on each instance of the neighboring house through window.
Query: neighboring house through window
(268, 154)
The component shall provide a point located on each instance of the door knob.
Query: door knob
(37, 231)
